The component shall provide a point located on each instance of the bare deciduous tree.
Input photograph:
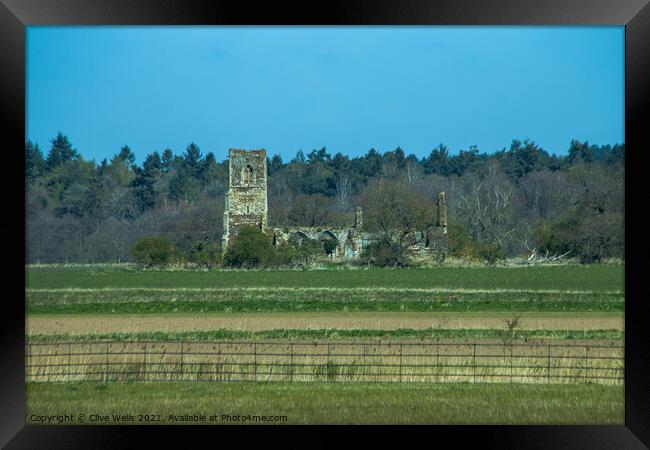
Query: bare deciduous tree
(397, 212)
(486, 209)
(343, 193)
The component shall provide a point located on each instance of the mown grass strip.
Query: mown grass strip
(317, 290)
(570, 277)
(282, 306)
(148, 301)
(319, 334)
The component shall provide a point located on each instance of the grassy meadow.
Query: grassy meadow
(548, 305)
(229, 300)
(345, 403)
(569, 278)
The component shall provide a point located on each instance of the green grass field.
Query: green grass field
(128, 291)
(316, 403)
(336, 334)
(600, 278)
(273, 300)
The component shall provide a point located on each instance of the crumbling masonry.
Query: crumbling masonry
(247, 205)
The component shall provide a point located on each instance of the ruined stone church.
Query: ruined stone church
(247, 205)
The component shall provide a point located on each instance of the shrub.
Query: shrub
(248, 249)
(154, 251)
(384, 253)
(592, 239)
(491, 253)
(309, 250)
(460, 243)
(294, 253)
(283, 255)
(205, 254)
(555, 237)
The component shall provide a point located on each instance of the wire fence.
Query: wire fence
(395, 362)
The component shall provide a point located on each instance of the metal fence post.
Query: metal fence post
(144, 371)
(69, 363)
(438, 371)
(586, 363)
(511, 362)
(291, 362)
(182, 360)
(474, 362)
(219, 365)
(400, 362)
(621, 367)
(328, 365)
(107, 364)
(549, 364)
(365, 364)
(28, 361)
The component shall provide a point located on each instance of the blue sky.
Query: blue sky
(344, 88)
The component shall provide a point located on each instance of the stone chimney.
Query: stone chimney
(358, 218)
(442, 210)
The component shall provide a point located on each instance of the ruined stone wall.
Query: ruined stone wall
(430, 245)
(246, 205)
(349, 241)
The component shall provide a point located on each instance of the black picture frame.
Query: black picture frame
(15, 15)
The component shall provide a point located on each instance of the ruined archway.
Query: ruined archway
(298, 238)
(330, 243)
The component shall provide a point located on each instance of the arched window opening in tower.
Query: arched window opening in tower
(248, 176)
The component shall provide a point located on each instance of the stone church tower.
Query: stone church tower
(246, 199)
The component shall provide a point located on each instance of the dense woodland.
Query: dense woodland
(520, 200)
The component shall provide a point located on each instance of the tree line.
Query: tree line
(519, 201)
